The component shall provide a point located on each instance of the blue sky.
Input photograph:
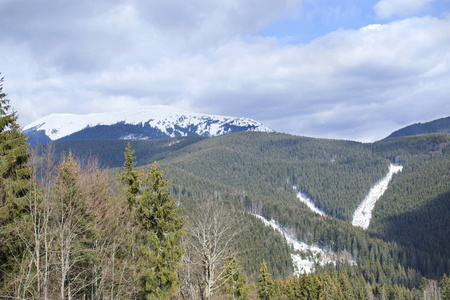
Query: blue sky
(345, 69)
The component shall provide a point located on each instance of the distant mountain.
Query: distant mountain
(141, 123)
(436, 126)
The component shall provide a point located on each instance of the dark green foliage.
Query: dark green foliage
(162, 230)
(445, 288)
(255, 169)
(258, 241)
(265, 283)
(323, 286)
(14, 172)
(14, 187)
(109, 153)
(440, 125)
(335, 174)
(130, 177)
(235, 284)
(414, 211)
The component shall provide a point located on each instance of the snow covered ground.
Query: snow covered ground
(305, 199)
(164, 118)
(305, 257)
(363, 213)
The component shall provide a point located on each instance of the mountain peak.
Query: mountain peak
(146, 122)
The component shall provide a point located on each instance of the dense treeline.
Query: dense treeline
(109, 153)
(334, 286)
(414, 211)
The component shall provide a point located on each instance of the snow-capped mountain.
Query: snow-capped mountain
(142, 123)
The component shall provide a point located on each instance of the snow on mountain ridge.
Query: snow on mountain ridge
(164, 118)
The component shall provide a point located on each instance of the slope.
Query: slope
(414, 212)
(254, 172)
(336, 175)
(436, 126)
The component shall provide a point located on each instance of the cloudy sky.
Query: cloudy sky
(342, 69)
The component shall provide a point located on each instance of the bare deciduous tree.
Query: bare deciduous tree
(59, 261)
(211, 233)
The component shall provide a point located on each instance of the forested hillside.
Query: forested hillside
(414, 211)
(219, 185)
(441, 125)
(335, 174)
(109, 153)
(255, 172)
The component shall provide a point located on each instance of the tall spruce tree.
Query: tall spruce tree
(14, 186)
(130, 177)
(265, 283)
(235, 279)
(162, 230)
(14, 173)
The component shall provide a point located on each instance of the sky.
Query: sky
(340, 69)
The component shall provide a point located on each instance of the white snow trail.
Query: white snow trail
(363, 213)
(305, 199)
(310, 255)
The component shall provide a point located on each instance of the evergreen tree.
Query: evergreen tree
(288, 287)
(162, 228)
(15, 183)
(73, 223)
(265, 283)
(327, 287)
(360, 289)
(317, 291)
(305, 289)
(14, 173)
(423, 286)
(235, 279)
(346, 287)
(445, 287)
(130, 177)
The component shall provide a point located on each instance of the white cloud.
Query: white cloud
(348, 84)
(388, 8)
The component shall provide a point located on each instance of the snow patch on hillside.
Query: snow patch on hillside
(305, 257)
(305, 199)
(164, 118)
(363, 213)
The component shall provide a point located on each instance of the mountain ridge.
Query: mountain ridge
(147, 122)
(441, 125)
